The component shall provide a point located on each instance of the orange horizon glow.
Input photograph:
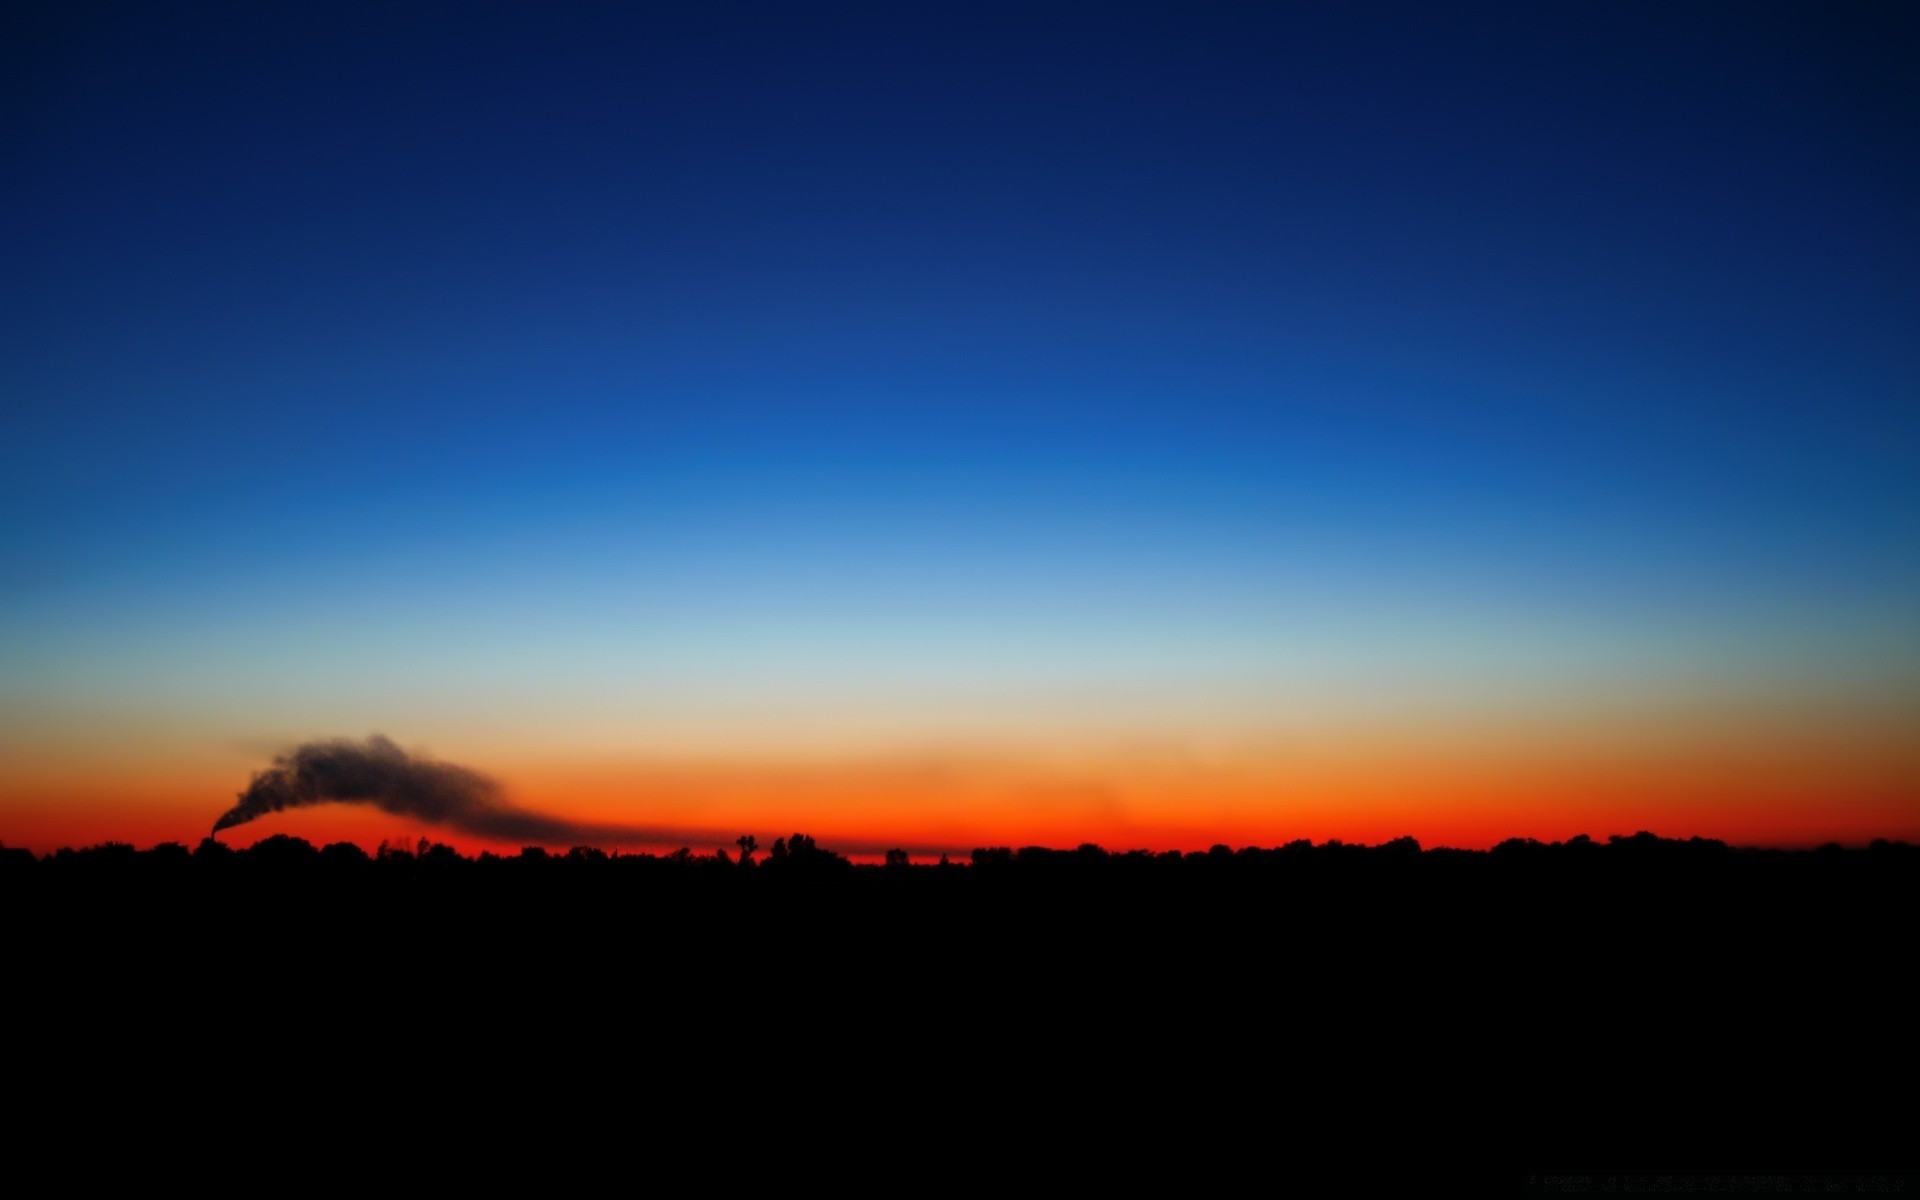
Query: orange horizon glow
(1783, 783)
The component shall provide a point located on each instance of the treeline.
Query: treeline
(801, 855)
(1638, 999)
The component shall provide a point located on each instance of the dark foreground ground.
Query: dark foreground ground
(1633, 1006)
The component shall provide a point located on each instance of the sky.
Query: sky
(954, 425)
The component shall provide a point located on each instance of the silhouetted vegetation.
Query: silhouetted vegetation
(1639, 882)
(1642, 857)
(1632, 991)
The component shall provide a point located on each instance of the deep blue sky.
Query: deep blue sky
(711, 342)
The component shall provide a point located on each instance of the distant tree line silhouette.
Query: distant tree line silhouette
(1535, 1007)
(1533, 1003)
(801, 854)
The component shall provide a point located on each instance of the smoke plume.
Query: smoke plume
(377, 772)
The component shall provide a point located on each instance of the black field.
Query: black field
(1635, 1005)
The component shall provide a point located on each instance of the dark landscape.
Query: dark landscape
(1634, 1001)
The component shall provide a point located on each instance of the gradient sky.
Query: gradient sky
(1154, 425)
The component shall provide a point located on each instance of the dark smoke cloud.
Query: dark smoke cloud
(377, 772)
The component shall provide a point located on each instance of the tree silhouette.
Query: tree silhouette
(798, 853)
